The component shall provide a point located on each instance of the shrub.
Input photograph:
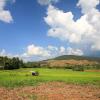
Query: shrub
(32, 65)
(1, 67)
(68, 66)
(37, 73)
(78, 68)
(97, 66)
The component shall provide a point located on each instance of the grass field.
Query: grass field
(23, 77)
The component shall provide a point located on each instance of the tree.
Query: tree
(14, 63)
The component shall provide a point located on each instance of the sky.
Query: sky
(40, 29)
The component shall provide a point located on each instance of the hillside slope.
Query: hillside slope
(70, 57)
(65, 60)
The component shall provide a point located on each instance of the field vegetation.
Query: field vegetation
(23, 77)
(14, 72)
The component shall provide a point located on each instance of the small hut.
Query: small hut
(35, 73)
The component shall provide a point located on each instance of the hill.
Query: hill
(70, 57)
(71, 60)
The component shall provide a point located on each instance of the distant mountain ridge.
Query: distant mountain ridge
(69, 57)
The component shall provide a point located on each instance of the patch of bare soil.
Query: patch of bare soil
(51, 91)
(92, 70)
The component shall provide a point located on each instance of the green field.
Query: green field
(23, 77)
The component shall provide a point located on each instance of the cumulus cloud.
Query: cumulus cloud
(62, 50)
(40, 53)
(52, 48)
(87, 6)
(64, 27)
(37, 51)
(49, 51)
(84, 30)
(47, 2)
(5, 15)
(71, 51)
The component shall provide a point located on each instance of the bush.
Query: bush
(97, 66)
(68, 66)
(78, 68)
(37, 73)
(1, 67)
(32, 65)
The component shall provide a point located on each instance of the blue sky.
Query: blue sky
(39, 29)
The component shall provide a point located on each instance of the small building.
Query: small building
(34, 73)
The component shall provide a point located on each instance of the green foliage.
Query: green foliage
(3, 60)
(32, 65)
(11, 63)
(23, 77)
(1, 67)
(78, 68)
(37, 73)
(97, 66)
(68, 66)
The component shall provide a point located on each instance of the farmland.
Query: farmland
(57, 79)
(51, 84)
(23, 77)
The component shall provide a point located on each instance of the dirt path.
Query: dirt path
(51, 91)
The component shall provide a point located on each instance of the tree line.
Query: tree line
(11, 63)
(16, 63)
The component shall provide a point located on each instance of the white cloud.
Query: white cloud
(84, 30)
(52, 48)
(64, 27)
(5, 15)
(62, 50)
(40, 53)
(37, 51)
(47, 2)
(88, 5)
(71, 51)
(49, 51)
(93, 18)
